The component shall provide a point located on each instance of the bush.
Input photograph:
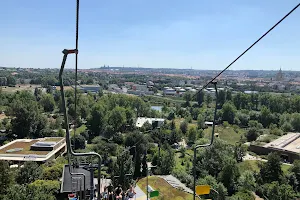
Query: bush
(226, 124)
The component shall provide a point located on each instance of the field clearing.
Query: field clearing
(226, 133)
(79, 130)
(166, 191)
(19, 88)
(253, 165)
(179, 120)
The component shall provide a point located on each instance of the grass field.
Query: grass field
(166, 191)
(252, 165)
(179, 120)
(226, 133)
(19, 88)
(79, 130)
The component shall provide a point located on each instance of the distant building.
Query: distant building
(279, 76)
(169, 91)
(142, 120)
(137, 87)
(39, 150)
(288, 146)
(90, 88)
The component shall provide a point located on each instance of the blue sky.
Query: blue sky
(157, 33)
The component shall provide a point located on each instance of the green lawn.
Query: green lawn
(252, 165)
(167, 192)
(79, 130)
(226, 133)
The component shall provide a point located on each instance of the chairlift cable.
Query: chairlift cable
(265, 34)
(76, 65)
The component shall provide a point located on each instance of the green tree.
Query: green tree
(117, 118)
(97, 122)
(213, 158)
(28, 120)
(265, 116)
(271, 170)
(296, 121)
(219, 187)
(192, 135)
(228, 112)
(200, 97)
(247, 181)
(221, 98)
(184, 127)
(48, 103)
(11, 81)
(167, 161)
(78, 142)
(229, 175)
(252, 134)
(45, 186)
(201, 121)
(5, 177)
(243, 195)
(29, 173)
(208, 99)
(276, 191)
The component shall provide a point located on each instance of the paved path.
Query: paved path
(174, 182)
(140, 195)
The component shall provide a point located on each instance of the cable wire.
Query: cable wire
(266, 33)
(76, 65)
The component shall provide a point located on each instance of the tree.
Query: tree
(28, 121)
(294, 176)
(229, 176)
(271, 170)
(45, 186)
(117, 118)
(265, 116)
(252, 134)
(213, 158)
(212, 182)
(29, 173)
(97, 121)
(78, 142)
(167, 161)
(221, 97)
(11, 81)
(200, 97)
(192, 135)
(296, 121)
(187, 97)
(140, 140)
(228, 112)
(208, 99)
(243, 195)
(276, 191)
(48, 103)
(184, 127)
(201, 121)
(247, 181)
(173, 125)
(5, 177)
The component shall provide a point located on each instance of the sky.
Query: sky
(198, 34)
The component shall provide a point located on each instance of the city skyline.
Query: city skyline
(170, 34)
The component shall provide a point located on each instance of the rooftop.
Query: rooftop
(289, 142)
(21, 149)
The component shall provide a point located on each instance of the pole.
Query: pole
(205, 145)
(194, 175)
(92, 183)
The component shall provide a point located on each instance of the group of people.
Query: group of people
(117, 193)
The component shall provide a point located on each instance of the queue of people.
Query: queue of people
(118, 194)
